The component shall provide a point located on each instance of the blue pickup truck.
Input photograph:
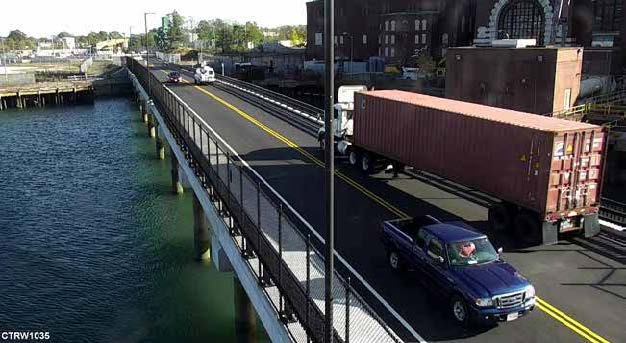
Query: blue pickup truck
(462, 266)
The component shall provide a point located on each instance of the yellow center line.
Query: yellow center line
(569, 322)
(555, 313)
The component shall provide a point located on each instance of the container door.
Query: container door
(588, 169)
(576, 170)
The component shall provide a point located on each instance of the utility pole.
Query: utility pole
(329, 90)
(145, 23)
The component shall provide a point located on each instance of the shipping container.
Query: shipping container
(547, 171)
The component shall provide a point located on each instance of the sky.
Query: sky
(43, 18)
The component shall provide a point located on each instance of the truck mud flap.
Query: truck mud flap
(591, 225)
(550, 233)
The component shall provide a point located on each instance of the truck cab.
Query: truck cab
(204, 75)
(461, 266)
(343, 123)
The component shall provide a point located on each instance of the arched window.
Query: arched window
(387, 25)
(417, 24)
(521, 19)
(424, 23)
(393, 25)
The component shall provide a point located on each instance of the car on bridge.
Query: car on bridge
(174, 77)
(462, 266)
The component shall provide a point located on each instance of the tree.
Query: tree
(206, 30)
(18, 40)
(297, 35)
(426, 65)
(175, 35)
(115, 35)
(63, 35)
(254, 33)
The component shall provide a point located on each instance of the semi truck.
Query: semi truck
(546, 172)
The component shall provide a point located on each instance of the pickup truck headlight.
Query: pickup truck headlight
(530, 292)
(484, 302)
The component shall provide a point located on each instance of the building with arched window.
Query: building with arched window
(596, 25)
(589, 23)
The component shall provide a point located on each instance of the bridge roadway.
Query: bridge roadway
(583, 293)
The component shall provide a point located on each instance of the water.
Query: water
(93, 245)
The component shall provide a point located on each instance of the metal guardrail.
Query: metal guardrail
(613, 211)
(602, 103)
(268, 228)
(310, 112)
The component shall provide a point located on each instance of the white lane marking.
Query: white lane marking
(379, 297)
(612, 225)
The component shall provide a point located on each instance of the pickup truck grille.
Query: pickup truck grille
(509, 300)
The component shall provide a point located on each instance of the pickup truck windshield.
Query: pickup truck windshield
(471, 252)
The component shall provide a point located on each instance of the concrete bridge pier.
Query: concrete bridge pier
(151, 125)
(201, 234)
(144, 111)
(160, 145)
(177, 185)
(19, 100)
(245, 317)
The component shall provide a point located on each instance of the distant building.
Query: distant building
(396, 30)
(44, 45)
(69, 43)
(596, 25)
(539, 80)
(270, 34)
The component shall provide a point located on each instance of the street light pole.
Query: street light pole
(145, 23)
(329, 170)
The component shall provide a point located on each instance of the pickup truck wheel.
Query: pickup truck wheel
(459, 310)
(395, 261)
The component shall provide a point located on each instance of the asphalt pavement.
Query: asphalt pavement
(584, 292)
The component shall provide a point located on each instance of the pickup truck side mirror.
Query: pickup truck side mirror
(500, 251)
(440, 259)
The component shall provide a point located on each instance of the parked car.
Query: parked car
(173, 77)
(462, 266)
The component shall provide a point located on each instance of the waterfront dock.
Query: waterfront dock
(42, 94)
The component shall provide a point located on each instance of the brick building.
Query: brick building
(534, 79)
(393, 29)
(596, 25)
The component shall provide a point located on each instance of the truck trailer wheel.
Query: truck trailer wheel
(367, 163)
(499, 218)
(527, 229)
(353, 157)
